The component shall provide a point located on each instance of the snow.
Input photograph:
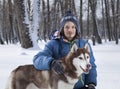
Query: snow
(32, 20)
(107, 58)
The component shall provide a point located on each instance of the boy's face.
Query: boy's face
(69, 30)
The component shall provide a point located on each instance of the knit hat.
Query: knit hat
(69, 17)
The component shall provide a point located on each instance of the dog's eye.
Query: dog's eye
(87, 57)
(80, 58)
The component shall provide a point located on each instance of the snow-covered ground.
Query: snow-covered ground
(107, 59)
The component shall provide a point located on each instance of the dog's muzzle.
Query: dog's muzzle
(88, 67)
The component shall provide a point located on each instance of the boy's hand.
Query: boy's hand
(91, 86)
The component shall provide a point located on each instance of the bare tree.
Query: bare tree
(93, 4)
(117, 20)
(22, 27)
(108, 21)
(10, 22)
(80, 19)
(44, 20)
(56, 13)
(88, 22)
(68, 5)
(48, 17)
(118, 17)
(33, 22)
(20, 20)
(5, 23)
(103, 20)
(114, 19)
(1, 21)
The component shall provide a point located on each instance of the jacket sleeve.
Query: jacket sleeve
(42, 60)
(92, 76)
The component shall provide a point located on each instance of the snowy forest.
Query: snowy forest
(27, 21)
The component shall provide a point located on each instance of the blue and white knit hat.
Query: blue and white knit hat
(69, 17)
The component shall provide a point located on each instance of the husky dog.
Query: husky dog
(74, 64)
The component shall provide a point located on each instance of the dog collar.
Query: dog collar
(80, 77)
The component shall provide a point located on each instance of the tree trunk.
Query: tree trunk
(88, 23)
(33, 21)
(103, 22)
(23, 29)
(117, 20)
(95, 26)
(108, 19)
(1, 41)
(10, 16)
(80, 19)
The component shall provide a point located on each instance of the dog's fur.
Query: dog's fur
(74, 64)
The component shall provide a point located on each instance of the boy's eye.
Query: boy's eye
(67, 27)
(73, 27)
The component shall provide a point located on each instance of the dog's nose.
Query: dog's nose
(88, 66)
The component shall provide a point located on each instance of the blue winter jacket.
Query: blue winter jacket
(58, 48)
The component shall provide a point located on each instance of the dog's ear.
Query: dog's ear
(74, 48)
(87, 47)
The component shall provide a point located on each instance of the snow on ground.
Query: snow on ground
(107, 59)
(108, 65)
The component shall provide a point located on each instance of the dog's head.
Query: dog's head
(78, 60)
